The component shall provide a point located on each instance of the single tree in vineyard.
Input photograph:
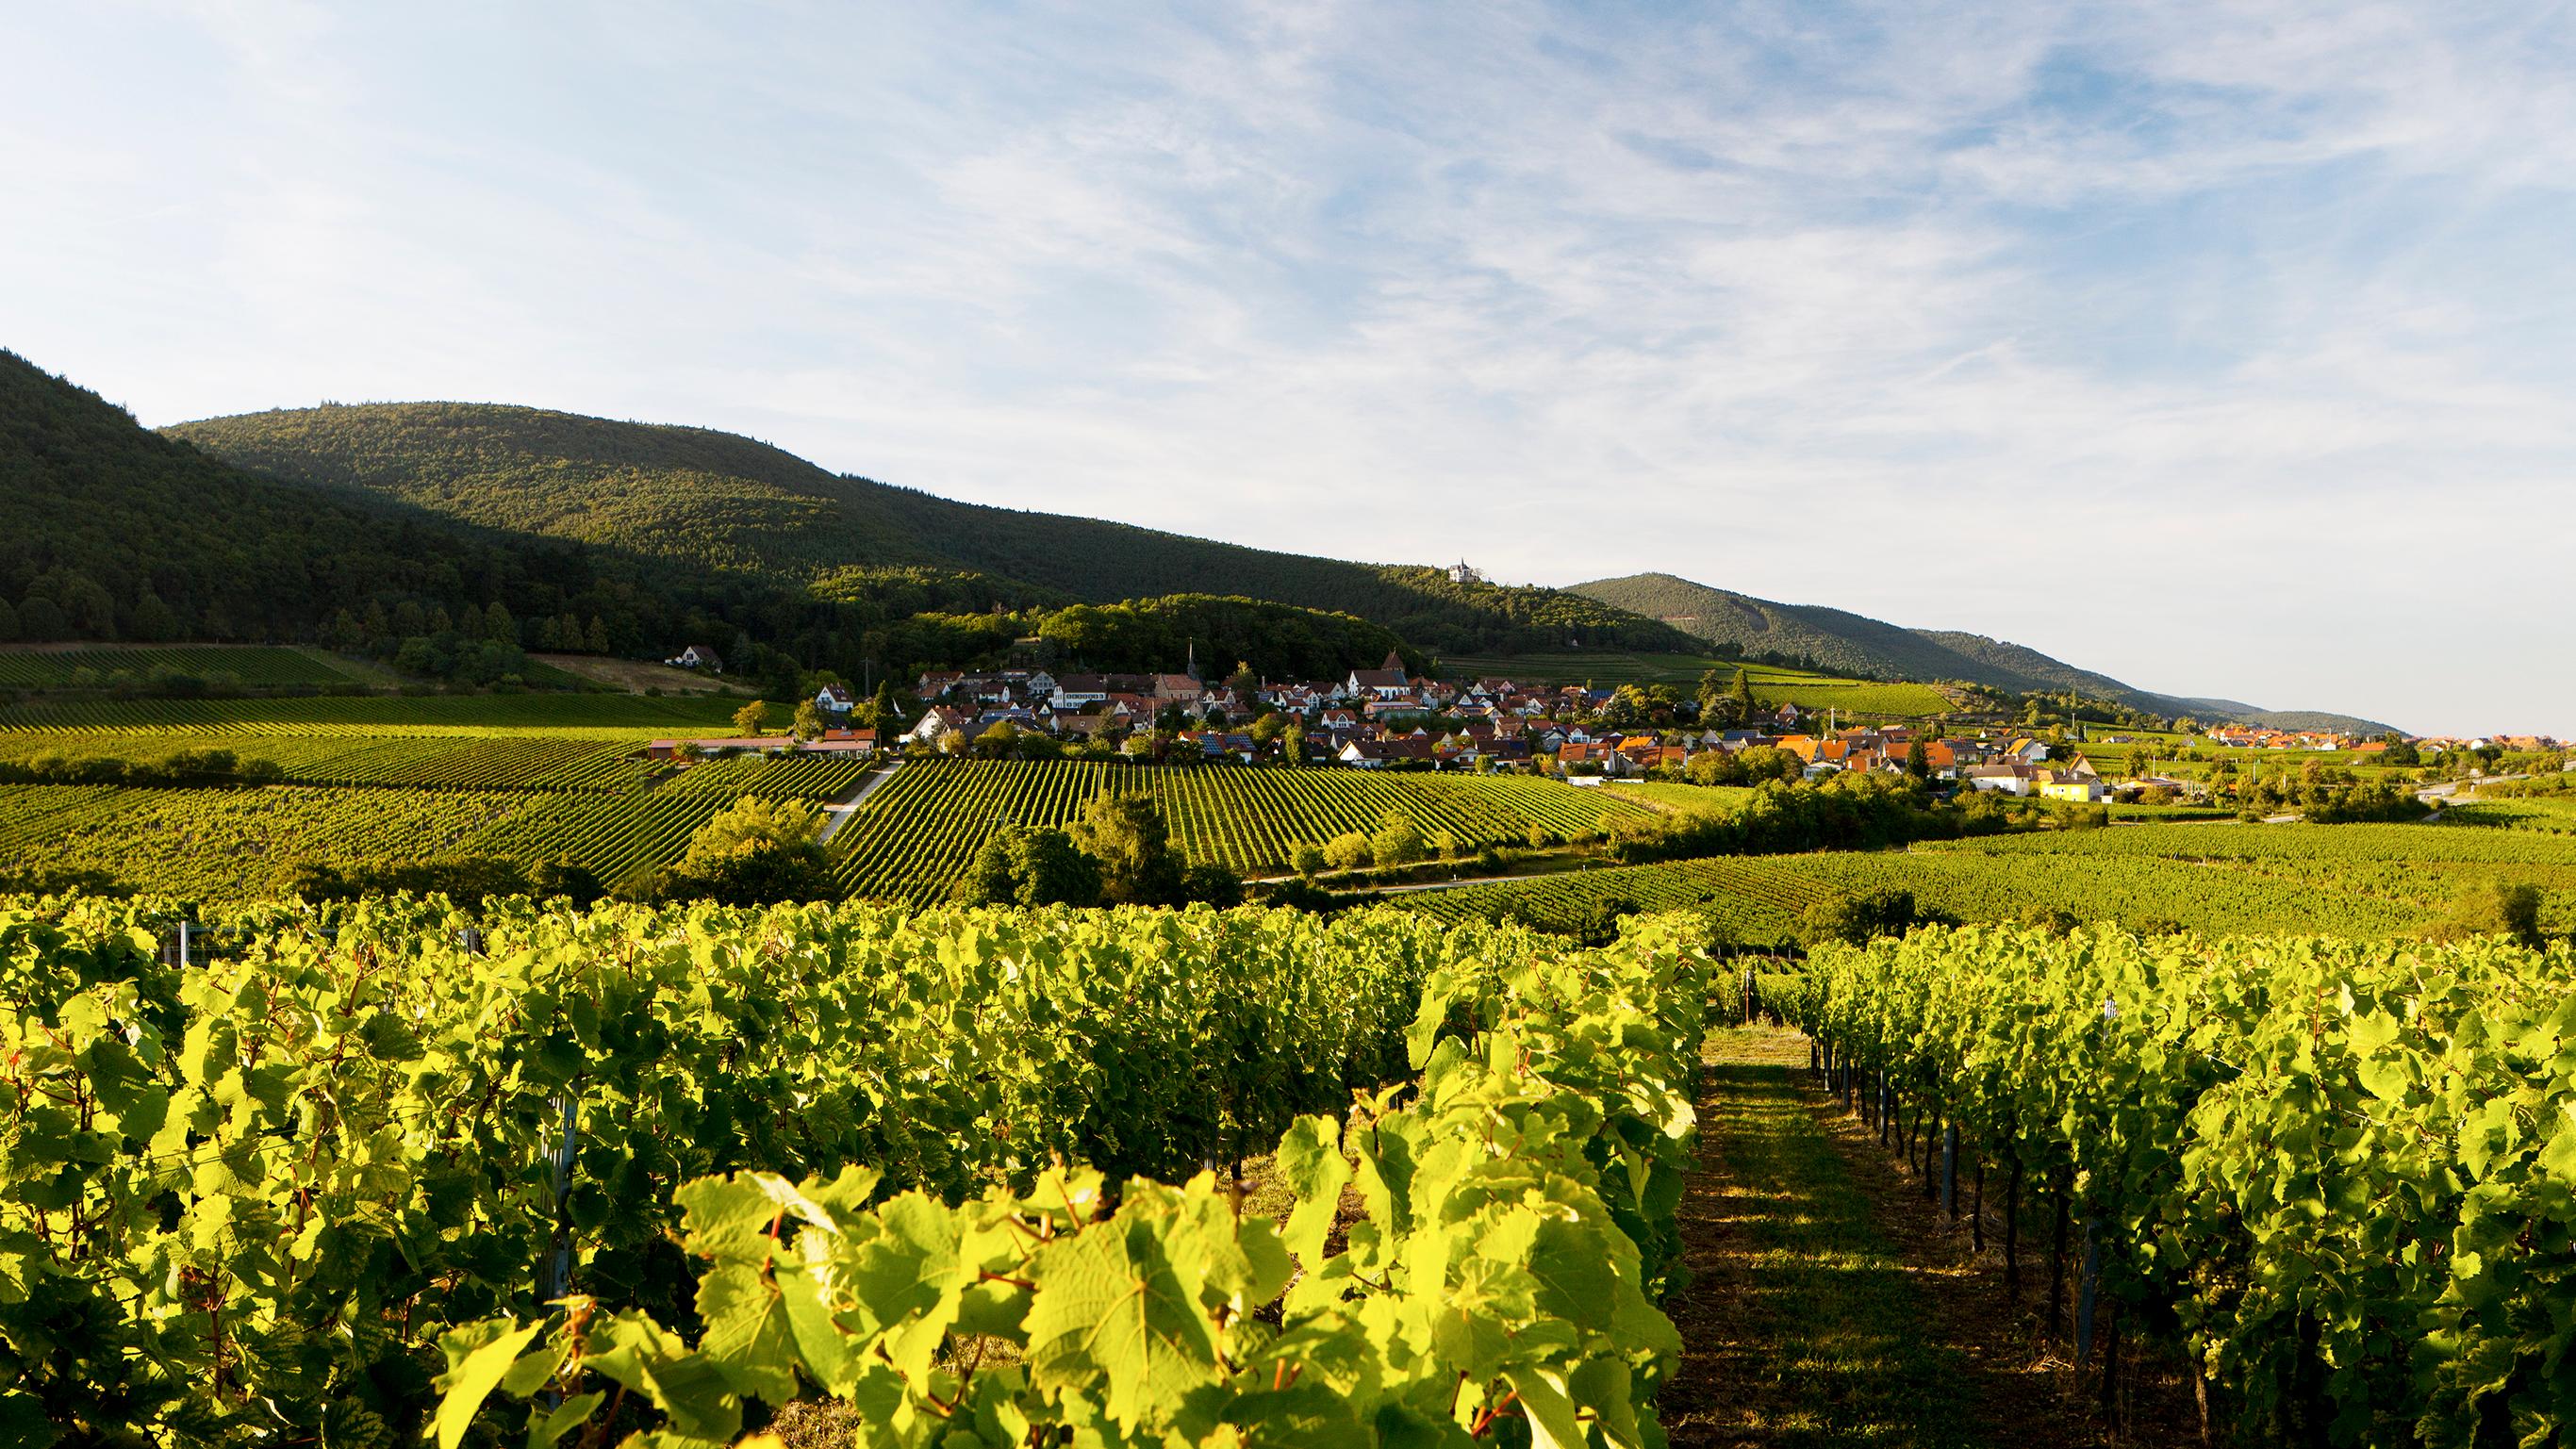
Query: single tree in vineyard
(757, 852)
(1024, 867)
(752, 718)
(1128, 836)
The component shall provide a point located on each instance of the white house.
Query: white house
(833, 699)
(937, 722)
(1384, 686)
(2002, 778)
(697, 656)
(1073, 691)
(2026, 751)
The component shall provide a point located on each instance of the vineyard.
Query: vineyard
(1773, 685)
(485, 762)
(286, 1186)
(258, 667)
(2332, 888)
(613, 836)
(1750, 899)
(234, 843)
(230, 844)
(2541, 815)
(2340, 1173)
(1681, 799)
(915, 834)
(598, 715)
(2420, 866)
(772, 777)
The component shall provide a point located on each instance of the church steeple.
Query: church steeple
(1194, 660)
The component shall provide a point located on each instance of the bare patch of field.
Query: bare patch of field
(634, 675)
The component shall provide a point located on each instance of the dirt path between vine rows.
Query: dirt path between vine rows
(1830, 1304)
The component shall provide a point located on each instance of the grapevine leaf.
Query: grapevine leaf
(1310, 1157)
(1306, 1416)
(1552, 1420)
(546, 1429)
(473, 1380)
(748, 1336)
(1112, 1316)
(22, 1421)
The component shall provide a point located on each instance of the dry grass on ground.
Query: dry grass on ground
(633, 675)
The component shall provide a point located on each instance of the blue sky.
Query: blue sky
(2226, 349)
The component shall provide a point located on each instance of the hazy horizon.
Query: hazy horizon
(2183, 346)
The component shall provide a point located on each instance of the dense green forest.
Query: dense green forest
(713, 500)
(1839, 642)
(109, 532)
(1278, 641)
(636, 539)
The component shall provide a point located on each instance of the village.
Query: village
(1389, 719)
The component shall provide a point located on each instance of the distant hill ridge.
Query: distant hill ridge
(709, 499)
(1844, 642)
(461, 500)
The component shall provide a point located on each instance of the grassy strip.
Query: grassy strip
(1803, 1324)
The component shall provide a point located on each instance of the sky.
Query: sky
(2226, 349)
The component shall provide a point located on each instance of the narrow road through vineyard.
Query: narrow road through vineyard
(1829, 1304)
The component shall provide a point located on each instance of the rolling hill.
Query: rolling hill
(701, 499)
(110, 532)
(264, 525)
(1848, 643)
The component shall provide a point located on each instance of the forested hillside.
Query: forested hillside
(443, 539)
(1846, 643)
(709, 499)
(630, 537)
(110, 532)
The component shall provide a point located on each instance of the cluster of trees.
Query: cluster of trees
(461, 878)
(1753, 765)
(1845, 812)
(1726, 703)
(1397, 841)
(2324, 795)
(1282, 642)
(175, 767)
(1120, 853)
(1861, 919)
(2495, 908)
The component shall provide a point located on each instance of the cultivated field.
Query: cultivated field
(615, 716)
(916, 834)
(1773, 685)
(41, 666)
(2363, 881)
